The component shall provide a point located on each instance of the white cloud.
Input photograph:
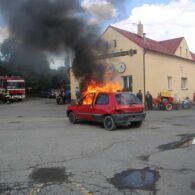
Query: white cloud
(101, 9)
(163, 22)
(3, 34)
(60, 58)
(56, 60)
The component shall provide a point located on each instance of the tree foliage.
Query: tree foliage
(21, 60)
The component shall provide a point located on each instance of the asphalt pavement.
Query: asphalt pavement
(41, 153)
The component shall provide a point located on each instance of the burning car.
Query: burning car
(110, 107)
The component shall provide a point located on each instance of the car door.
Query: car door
(85, 108)
(101, 106)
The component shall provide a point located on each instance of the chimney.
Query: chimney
(140, 29)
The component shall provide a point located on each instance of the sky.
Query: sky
(162, 19)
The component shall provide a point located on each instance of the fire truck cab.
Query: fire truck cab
(14, 85)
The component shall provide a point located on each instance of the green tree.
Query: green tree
(20, 60)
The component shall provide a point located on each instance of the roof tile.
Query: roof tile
(167, 47)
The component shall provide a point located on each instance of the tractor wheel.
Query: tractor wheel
(169, 106)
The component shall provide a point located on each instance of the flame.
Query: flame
(93, 87)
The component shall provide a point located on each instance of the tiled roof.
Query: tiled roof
(193, 55)
(167, 47)
(171, 44)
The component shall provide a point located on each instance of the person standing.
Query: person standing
(78, 94)
(148, 100)
(140, 95)
(68, 96)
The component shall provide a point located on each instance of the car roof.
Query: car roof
(118, 92)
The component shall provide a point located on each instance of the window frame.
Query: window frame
(187, 53)
(184, 83)
(169, 83)
(115, 43)
(128, 86)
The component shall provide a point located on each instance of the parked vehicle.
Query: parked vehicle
(14, 85)
(164, 101)
(50, 93)
(109, 108)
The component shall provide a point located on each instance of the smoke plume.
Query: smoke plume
(52, 25)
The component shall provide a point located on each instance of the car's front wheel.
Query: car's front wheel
(72, 118)
(109, 123)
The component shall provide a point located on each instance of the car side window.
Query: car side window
(102, 99)
(88, 99)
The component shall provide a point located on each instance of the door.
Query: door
(101, 106)
(85, 107)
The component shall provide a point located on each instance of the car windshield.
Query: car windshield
(15, 85)
(127, 99)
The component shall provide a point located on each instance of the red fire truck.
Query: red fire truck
(15, 85)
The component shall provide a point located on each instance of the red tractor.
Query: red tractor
(164, 101)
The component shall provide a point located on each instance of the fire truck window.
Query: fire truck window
(102, 99)
(15, 85)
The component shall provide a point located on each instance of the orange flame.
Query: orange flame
(94, 87)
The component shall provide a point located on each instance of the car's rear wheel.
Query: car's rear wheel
(109, 123)
(137, 124)
(72, 118)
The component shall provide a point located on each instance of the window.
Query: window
(127, 99)
(127, 83)
(88, 99)
(15, 85)
(169, 82)
(184, 83)
(186, 52)
(180, 51)
(115, 43)
(102, 99)
(106, 45)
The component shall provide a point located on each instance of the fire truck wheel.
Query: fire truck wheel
(169, 106)
(109, 123)
(72, 118)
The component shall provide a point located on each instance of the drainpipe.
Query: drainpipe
(144, 73)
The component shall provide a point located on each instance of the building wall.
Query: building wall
(159, 67)
(134, 64)
(183, 50)
(73, 84)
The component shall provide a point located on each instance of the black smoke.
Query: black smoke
(52, 25)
